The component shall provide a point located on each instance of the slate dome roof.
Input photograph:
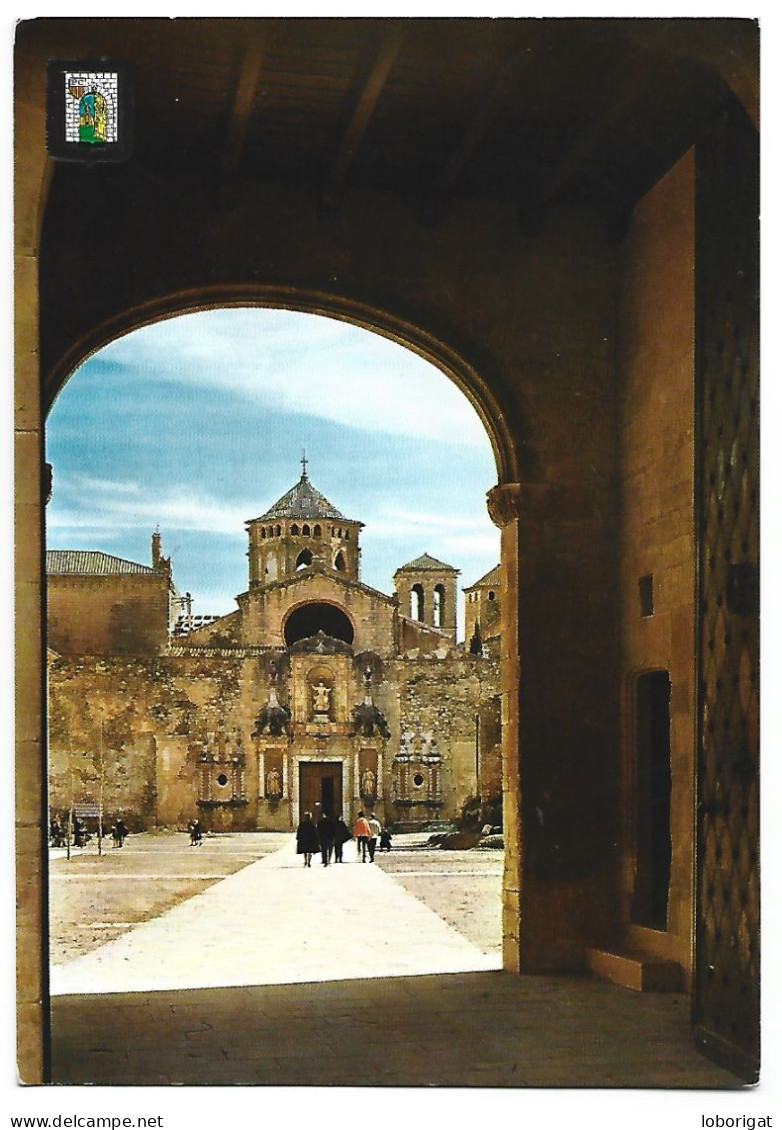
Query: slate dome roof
(304, 501)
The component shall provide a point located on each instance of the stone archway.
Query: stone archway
(534, 517)
(470, 295)
(312, 616)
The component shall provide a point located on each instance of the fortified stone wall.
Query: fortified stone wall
(145, 715)
(100, 725)
(167, 730)
(439, 699)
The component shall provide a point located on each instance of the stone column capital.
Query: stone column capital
(504, 503)
(534, 502)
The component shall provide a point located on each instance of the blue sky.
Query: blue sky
(197, 423)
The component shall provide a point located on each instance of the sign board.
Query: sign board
(89, 808)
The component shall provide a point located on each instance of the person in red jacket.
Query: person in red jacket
(362, 832)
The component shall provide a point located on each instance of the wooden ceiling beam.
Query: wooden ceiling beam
(476, 130)
(627, 84)
(244, 96)
(365, 107)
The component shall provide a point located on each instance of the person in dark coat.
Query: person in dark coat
(78, 832)
(326, 837)
(307, 839)
(341, 837)
(385, 840)
(119, 831)
(195, 833)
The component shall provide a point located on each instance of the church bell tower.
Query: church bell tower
(427, 593)
(302, 530)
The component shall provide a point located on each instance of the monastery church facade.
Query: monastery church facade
(318, 693)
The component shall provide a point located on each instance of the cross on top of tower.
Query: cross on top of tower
(304, 462)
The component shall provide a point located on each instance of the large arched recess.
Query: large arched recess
(311, 616)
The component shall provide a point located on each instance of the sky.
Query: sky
(197, 423)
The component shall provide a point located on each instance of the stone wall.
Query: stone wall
(162, 729)
(108, 615)
(657, 527)
(439, 699)
(264, 611)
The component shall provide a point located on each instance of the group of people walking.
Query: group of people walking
(73, 830)
(330, 834)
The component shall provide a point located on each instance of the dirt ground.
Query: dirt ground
(93, 898)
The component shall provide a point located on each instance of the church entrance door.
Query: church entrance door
(320, 788)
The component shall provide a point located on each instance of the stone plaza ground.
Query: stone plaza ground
(230, 964)
(94, 899)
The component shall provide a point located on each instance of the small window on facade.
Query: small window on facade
(305, 530)
(418, 780)
(492, 594)
(278, 531)
(263, 531)
(295, 530)
(339, 562)
(304, 559)
(316, 532)
(646, 594)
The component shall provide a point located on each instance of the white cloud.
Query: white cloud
(105, 505)
(305, 364)
(109, 486)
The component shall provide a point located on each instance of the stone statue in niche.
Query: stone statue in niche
(273, 783)
(321, 695)
(368, 783)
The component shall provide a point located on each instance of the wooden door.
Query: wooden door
(320, 788)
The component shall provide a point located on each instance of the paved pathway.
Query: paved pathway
(277, 922)
(290, 976)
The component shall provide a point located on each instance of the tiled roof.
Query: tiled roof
(91, 562)
(303, 501)
(490, 578)
(426, 561)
